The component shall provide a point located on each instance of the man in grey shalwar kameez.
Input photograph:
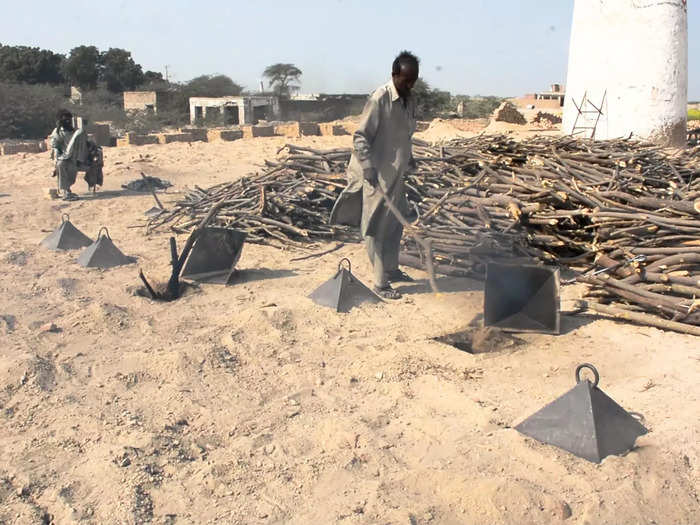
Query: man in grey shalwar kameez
(382, 154)
(69, 149)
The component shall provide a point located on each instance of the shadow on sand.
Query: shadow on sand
(444, 284)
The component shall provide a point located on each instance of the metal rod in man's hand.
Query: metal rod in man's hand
(425, 243)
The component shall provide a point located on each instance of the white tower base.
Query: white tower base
(628, 59)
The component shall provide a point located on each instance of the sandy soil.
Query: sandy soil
(250, 404)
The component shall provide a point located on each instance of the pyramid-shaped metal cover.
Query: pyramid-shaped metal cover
(66, 237)
(585, 422)
(103, 253)
(153, 212)
(522, 298)
(343, 291)
(214, 255)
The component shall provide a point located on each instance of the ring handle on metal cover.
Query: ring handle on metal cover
(106, 232)
(65, 217)
(340, 264)
(596, 376)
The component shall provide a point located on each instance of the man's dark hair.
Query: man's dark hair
(63, 113)
(406, 59)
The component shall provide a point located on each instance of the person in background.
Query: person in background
(69, 150)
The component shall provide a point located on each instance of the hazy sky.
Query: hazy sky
(487, 47)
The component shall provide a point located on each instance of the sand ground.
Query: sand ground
(250, 404)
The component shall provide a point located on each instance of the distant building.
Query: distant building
(552, 99)
(230, 111)
(144, 100)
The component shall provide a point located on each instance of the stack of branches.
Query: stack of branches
(570, 202)
(561, 201)
(287, 204)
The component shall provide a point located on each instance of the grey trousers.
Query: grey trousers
(67, 172)
(383, 247)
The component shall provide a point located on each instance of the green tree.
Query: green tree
(30, 65)
(152, 77)
(477, 107)
(82, 67)
(119, 71)
(430, 102)
(283, 78)
(212, 86)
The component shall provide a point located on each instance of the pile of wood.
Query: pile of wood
(571, 203)
(507, 112)
(549, 119)
(287, 203)
(622, 205)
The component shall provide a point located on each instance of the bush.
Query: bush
(694, 114)
(146, 122)
(29, 111)
(477, 107)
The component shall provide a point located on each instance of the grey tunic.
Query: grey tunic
(69, 149)
(382, 142)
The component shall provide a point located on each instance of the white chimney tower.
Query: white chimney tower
(628, 59)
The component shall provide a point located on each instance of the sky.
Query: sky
(471, 47)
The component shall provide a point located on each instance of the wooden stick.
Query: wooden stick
(640, 318)
(319, 254)
(425, 243)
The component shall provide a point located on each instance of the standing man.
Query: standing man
(382, 154)
(69, 149)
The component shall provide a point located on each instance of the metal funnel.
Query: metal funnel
(522, 298)
(214, 255)
(343, 291)
(585, 422)
(103, 253)
(66, 237)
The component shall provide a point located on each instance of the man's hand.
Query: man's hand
(370, 175)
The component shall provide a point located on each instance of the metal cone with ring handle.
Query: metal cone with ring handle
(585, 422)
(66, 237)
(103, 253)
(343, 291)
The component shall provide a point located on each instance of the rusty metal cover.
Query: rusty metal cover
(522, 298)
(585, 422)
(343, 291)
(214, 255)
(66, 237)
(103, 253)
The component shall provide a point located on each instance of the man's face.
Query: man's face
(405, 80)
(66, 121)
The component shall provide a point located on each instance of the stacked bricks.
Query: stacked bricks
(297, 129)
(329, 128)
(224, 134)
(197, 134)
(25, 147)
(134, 139)
(250, 132)
(168, 138)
